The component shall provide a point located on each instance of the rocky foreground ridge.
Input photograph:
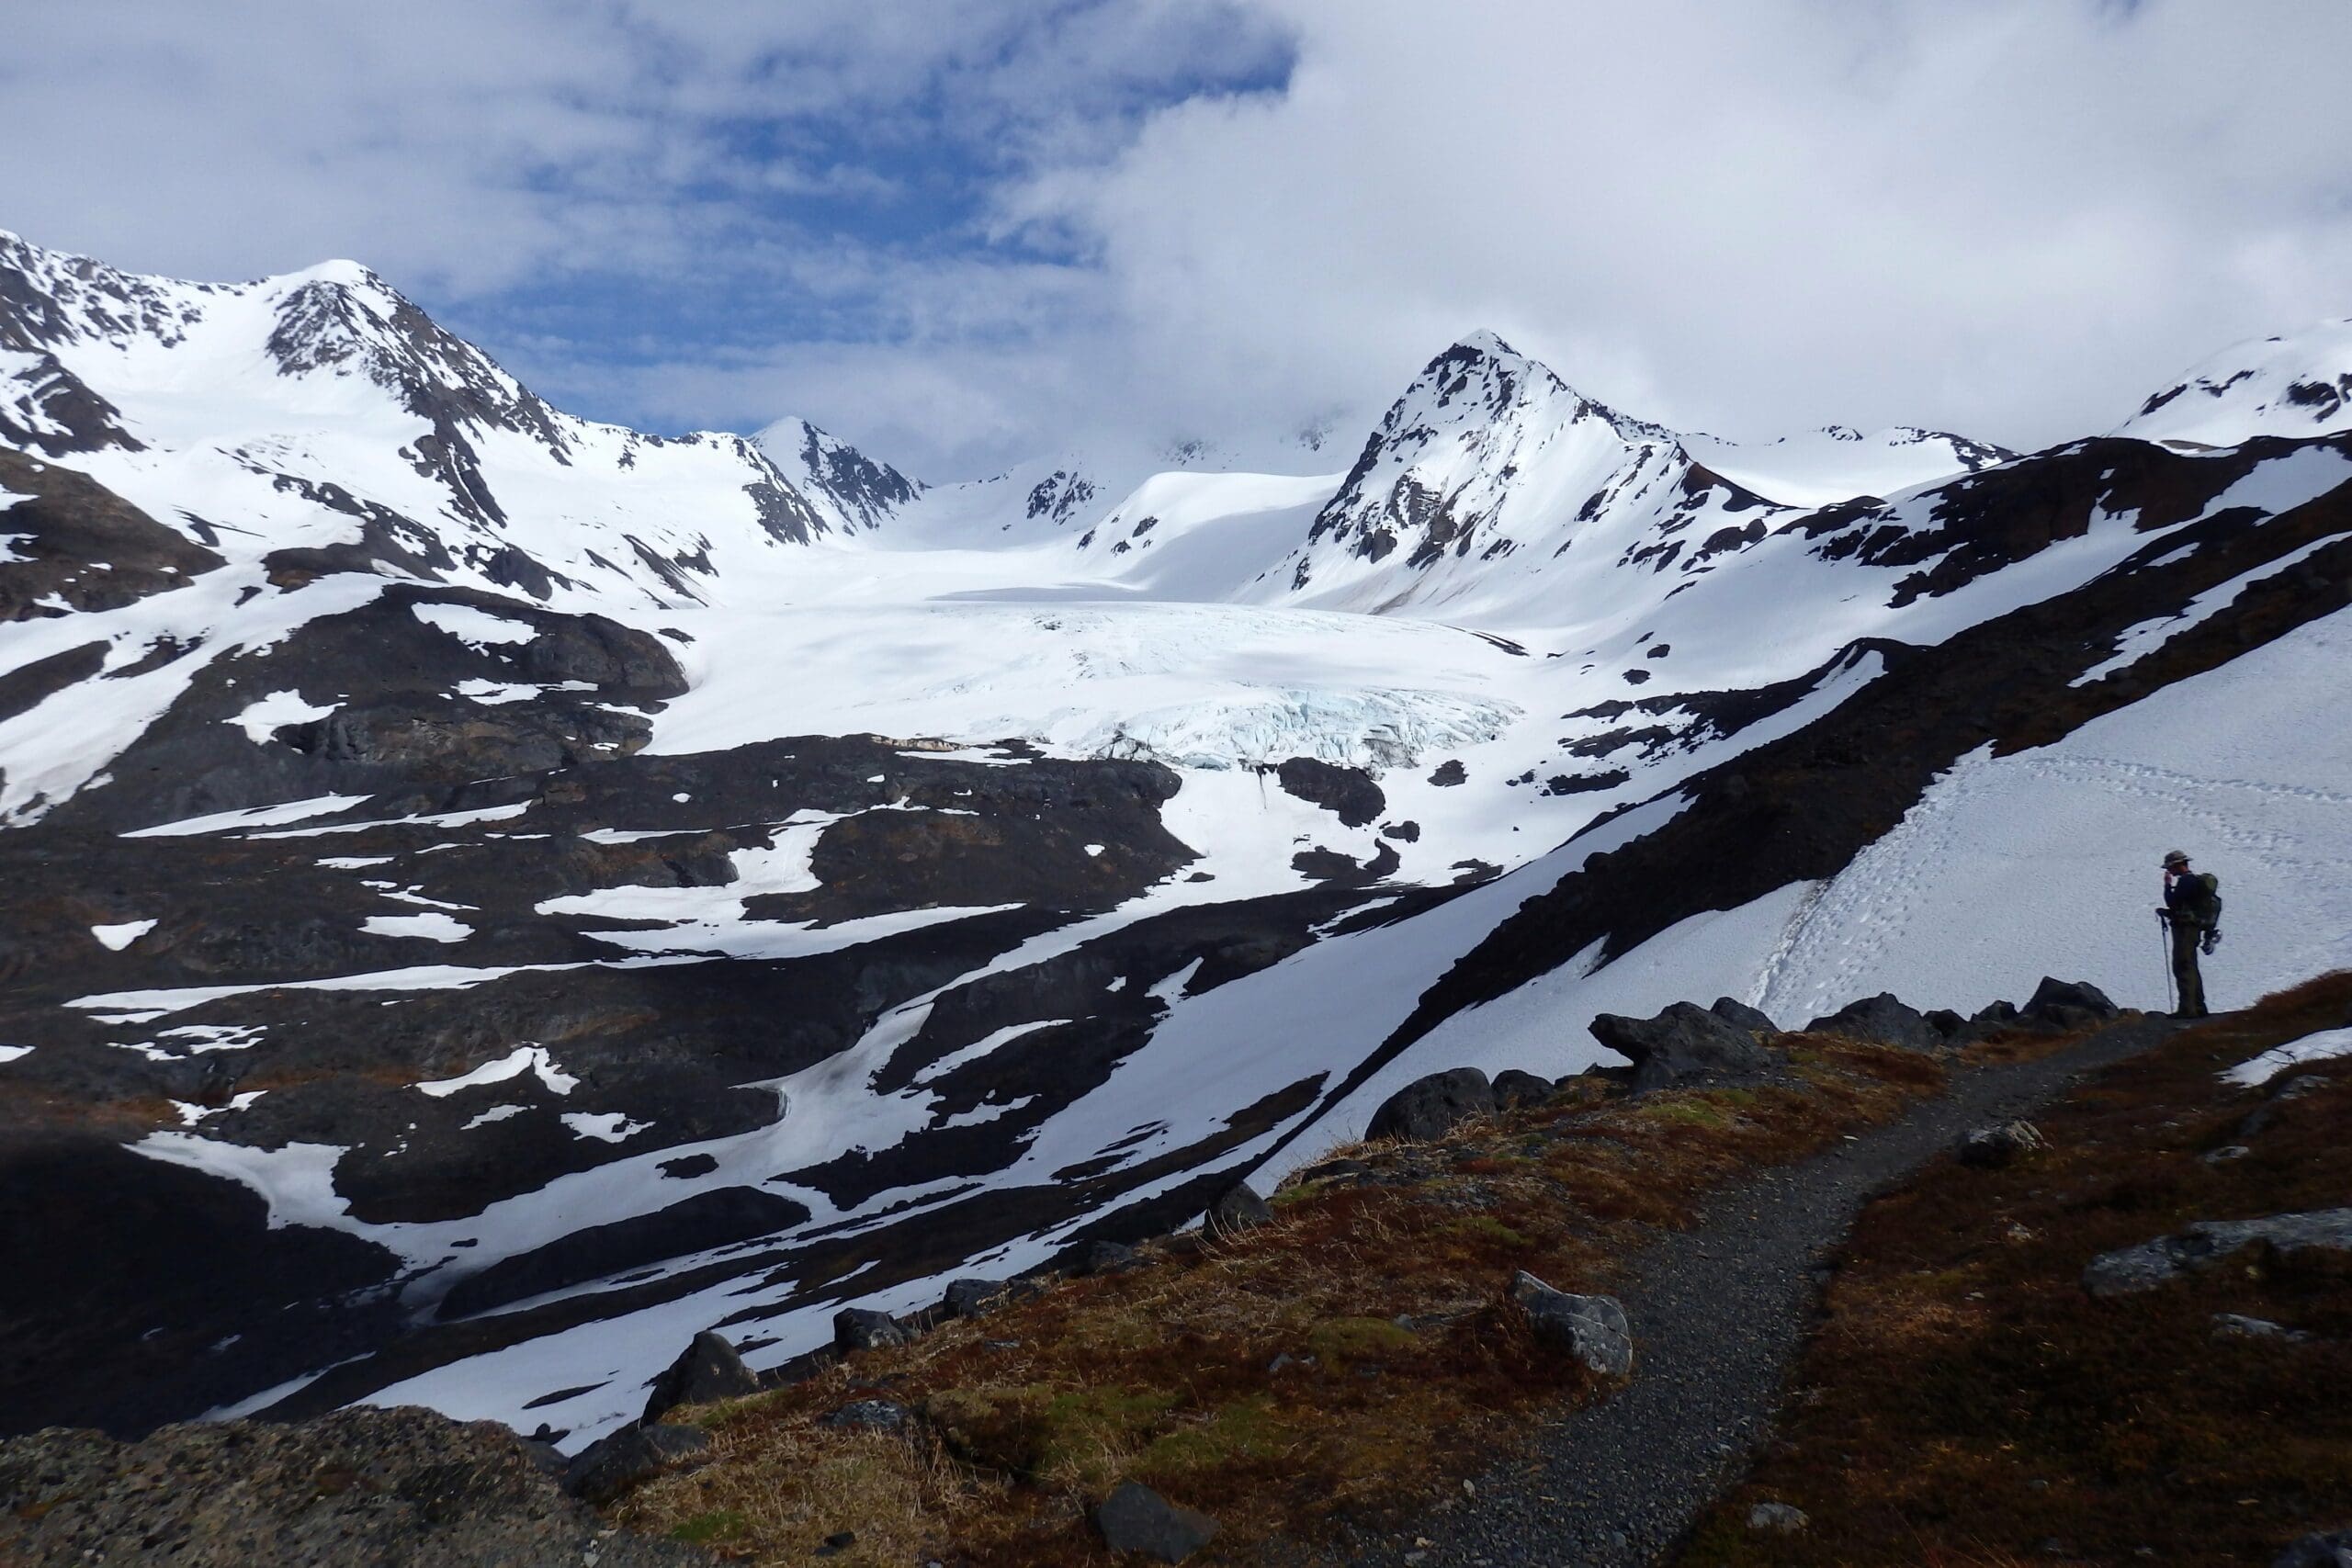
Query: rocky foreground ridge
(1317, 1367)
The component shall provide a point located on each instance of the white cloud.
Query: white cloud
(2009, 216)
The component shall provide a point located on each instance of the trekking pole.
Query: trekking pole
(2163, 960)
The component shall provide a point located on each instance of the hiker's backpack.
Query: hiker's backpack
(2205, 902)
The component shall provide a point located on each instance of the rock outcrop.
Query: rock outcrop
(1682, 1043)
(403, 1485)
(2322, 1239)
(1433, 1106)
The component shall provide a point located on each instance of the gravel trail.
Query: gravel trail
(1718, 1312)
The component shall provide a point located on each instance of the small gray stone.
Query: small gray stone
(1135, 1519)
(2331, 1550)
(607, 1468)
(872, 1415)
(862, 1329)
(2225, 1154)
(1997, 1148)
(1781, 1518)
(1237, 1209)
(2236, 1326)
(1591, 1329)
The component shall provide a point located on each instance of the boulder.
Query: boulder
(1998, 1146)
(1947, 1023)
(1237, 1209)
(1778, 1519)
(2319, 1239)
(1883, 1020)
(1741, 1016)
(973, 1298)
(1433, 1106)
(2079, 997)
(871, 1414)
(605, 1469)
(862, 1329)
(1514, 1089)
(707, 1370)
(2331, 1550)
(1591, 1329)
(1135, 1519)
(1683, 1042)
(1103, 1257)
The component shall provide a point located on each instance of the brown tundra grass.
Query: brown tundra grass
(1267, 1379)
(1962, 1401)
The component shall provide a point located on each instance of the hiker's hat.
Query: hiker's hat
(2175, 857)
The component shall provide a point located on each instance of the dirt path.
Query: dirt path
(1718, 1312)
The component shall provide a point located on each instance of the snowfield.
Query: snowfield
(1519, 634)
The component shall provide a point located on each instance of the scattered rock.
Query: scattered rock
(1433, 1106)
(2059, 1002)
(1237, 1208)
(1998, 1146)
(1135, 1519)
(862, 1329)
(836, 1543)
(2322, 1238)
(1449, 774)
(2333, 1549)
(708, 1368)
(973, 1298)
(1105, 1258)
(629, 1457)
(1780, 1519)
(1683, 1043)
(872, 1415)
(2265, 1115)
(1591, 1329)
(1883, 1020)
(1514, 1089)
(2236, 1326)
(1741, 1016)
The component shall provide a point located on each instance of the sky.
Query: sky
(964, 234)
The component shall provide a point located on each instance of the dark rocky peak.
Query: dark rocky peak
(1060, 495)
(343, 318)
(865, 492)
(46, 408)
(49, 298)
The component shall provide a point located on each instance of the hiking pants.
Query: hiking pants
(2185, 938)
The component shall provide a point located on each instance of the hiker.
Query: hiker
(2192, 910)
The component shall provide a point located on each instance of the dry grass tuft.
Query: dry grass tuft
(1963, 1400)
(1337, 1365)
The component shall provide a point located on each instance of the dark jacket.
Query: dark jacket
(2193, 898)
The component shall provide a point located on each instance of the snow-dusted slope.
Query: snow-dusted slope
(2296, 386)
(1836, 463)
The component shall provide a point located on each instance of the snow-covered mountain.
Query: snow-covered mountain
(499, 894)
(2295, 386)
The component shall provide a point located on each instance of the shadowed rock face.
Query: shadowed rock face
(401, 1485)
